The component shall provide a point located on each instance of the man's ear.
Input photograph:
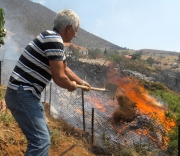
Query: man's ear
(68, 27)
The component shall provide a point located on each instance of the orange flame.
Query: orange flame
(96, 102)
(79, 111)
(144, 102)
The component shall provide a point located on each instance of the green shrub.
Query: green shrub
(56, 136)
(172, 100)
(6, 118)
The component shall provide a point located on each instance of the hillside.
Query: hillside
(27, 18)
(13, 142)
(24, 20)
(153, 52)
(65, 140)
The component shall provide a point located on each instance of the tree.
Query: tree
(93, 53)
(111, 53)
(125, 52)
(136, 56)
(2, 30)
(150, 61)
(105, 52)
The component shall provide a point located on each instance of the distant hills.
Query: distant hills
(151, 52)
(26, 19)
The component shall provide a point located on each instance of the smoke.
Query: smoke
(17, 36)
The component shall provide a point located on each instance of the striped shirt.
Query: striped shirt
(32, 70)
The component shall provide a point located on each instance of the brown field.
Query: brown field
(166, 61)
(165, 58)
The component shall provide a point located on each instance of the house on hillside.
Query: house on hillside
(75, 50)
(83, 51)
(128, 56)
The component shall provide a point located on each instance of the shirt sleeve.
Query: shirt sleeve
(54, 49)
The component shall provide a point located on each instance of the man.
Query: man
(42, 59)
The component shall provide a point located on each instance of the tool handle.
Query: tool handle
(92, 88)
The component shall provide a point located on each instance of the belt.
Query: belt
(20, 87)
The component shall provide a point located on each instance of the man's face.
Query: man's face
(71, 33)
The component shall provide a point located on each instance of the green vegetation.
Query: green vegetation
(56, 136)
(125, 52)
(172, 100)
(6, 119)
(2, 30)
(137, 65)
(95, 53)
(142, 149)
(173, 143)
(136, 56)
(2, 93)
(110, 54)
(153, 86)
(150, 61)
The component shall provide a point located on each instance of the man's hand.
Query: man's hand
(88, 86)
(74, 86)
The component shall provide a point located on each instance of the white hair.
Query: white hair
(64, 18)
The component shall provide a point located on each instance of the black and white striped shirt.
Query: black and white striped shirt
(32, 70)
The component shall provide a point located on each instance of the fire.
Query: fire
(96, 102)
(79, 111)
(146, 105)
(136, 93)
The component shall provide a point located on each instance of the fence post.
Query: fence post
(0, 72)
(50, 97)
(45, 94)
(50, 88)
(178, 140)
(92, 123)
(83, 109)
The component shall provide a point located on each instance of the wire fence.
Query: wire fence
(91, 112)
(98, 120)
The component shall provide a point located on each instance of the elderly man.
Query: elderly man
(42, 59)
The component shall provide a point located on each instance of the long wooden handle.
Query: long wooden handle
(92, 88)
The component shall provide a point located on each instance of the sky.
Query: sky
(134, 24)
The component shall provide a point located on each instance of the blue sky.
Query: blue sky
(135, 24)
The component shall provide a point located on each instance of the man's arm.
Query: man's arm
(73, 77)
(59, 76)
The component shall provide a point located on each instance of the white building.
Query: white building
(83, 52)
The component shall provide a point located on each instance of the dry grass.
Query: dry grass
(166, 61)
(126, 111)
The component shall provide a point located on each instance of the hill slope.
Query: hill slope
(152, 52)
(65, 140)
(24, 17)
